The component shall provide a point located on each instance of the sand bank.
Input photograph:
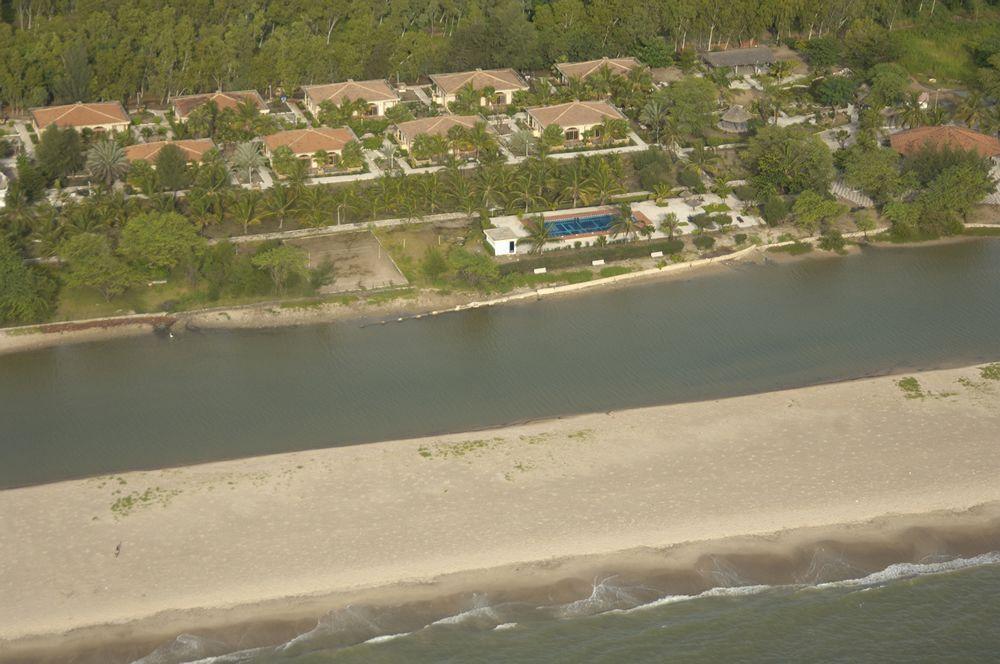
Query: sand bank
(286, 534)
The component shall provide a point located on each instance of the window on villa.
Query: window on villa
(372, 109)
(499, 98)
(572, 134)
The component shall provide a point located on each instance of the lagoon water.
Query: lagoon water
(152, 402)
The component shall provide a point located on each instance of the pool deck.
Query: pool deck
(646, 211)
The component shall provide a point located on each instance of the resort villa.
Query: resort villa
(503, 82)
(98, 117)
(406, 132)
(945, 136)
(184, 105)
(376, 93)
(736, 120)
(194, 149)
(755, 60)
(305, 143)
(581, 70)
(575, 118)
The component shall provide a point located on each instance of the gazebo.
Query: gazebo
(735, 120)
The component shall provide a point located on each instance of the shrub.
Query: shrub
(690, 178)
(704, 242)
(832, 240)
(774, 209)
(740, 238)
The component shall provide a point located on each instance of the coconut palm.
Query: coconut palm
(246, 209)
(603, 184)
(525, 190)
(781, 69)
(480, 138)
(538, 233)
(972, 109)
(106, 161)
(654, 115)
(280, 202)
(625, 224)
(491, 184)
(912, 113)
(669, 224)
(573, 183)
(247, 159)
(702, 159)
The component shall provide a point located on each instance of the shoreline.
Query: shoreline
(275, 315)
(547, 502)
(773, 559)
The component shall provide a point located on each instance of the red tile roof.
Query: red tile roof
(184, 105)
(950, 136)
(311, 140)
(194, 149)
(370, 91)
(80, 115)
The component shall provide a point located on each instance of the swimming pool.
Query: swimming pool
(595, 223)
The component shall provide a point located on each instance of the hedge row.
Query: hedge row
(562, 258)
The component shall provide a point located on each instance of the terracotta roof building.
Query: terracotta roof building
(194, 149)
(504, 82)
(945, 136)
(406, 132)
(304, 143)
(741, 60)
(574, 117)
(377, 93)
(184, 105)
(581, 70)
(101, 116)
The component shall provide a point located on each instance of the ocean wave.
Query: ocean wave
(909, 570)
(504, 626)
(387, 637)
(605, 596)
(482, 614)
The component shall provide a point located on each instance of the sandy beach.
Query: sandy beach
(295, 534)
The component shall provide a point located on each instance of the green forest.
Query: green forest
(128, 50)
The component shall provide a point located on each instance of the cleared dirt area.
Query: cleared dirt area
(359, 262)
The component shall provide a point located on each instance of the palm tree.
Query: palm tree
(912, 113)
(625, 224)
(670, 224)
(654, 115)
(842, 136)
(972, 109)
(525, 190)
(603, 80)
(492, 183)
(479, 138)
(538, 233)
(781, 69)
(247, 158)
(460, 192)
(246, 209)
(603, 185)
(106, 161)
(280, 202)
(702, 158)
(573, 183)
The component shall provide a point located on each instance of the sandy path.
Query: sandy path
(243, 531)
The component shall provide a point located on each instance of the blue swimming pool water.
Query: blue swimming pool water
(580, 225)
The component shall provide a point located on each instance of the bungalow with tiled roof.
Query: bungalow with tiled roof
(503, 82)
(945, 136)
(101, 116)
(581, 70)
(194, 149)
(377, 93)
(574, 118)
(304, 143)
(406, 132)
(184, 105)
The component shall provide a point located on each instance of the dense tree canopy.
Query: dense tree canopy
(122, 49)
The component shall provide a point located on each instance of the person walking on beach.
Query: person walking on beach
(118, 549)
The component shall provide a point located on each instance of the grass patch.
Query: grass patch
(614, 271)
(990, 371)
(389, 296)
(793, 249)
(911, 388)
(459, 449)
(302, 304)
(130, 502)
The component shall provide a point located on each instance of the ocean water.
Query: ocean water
(149, 402)
(935, 611)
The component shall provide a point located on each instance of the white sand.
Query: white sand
(312, 523)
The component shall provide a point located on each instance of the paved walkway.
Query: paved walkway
(22, 133)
